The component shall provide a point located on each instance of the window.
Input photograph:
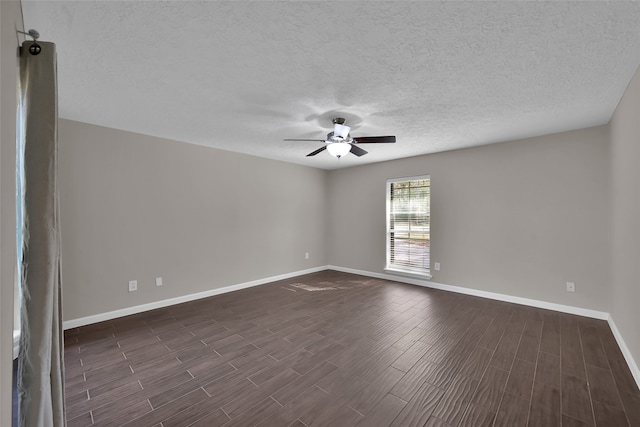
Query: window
(408, 225)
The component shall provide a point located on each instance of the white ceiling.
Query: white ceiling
(242, 76)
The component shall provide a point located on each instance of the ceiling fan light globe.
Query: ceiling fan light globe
(338, 149)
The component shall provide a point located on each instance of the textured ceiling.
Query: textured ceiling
(242, 76)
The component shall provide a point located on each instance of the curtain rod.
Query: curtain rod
(33, 33)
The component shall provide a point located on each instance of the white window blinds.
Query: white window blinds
(408, 224)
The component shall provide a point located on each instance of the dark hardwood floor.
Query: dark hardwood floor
(335, 349)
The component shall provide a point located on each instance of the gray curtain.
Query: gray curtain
(41, 371)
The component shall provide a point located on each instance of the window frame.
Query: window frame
(420, 272)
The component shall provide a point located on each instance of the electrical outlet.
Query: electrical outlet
(306, 255)
(158, 281)
(571, 287)
(436, 266)
(133, 285)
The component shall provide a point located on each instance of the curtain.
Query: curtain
(41, 363)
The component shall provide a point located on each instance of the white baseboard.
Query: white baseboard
(633, 367)
(75, 323)
(484, 294)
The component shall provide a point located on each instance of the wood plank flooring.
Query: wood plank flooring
(336, 349)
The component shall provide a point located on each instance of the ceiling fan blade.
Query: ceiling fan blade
(314, 140)
(319, 150)
(374, 139)
(357, 150)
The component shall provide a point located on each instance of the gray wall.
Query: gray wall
(10, 20)
(625, 248)
(136, 207)
(519, 218)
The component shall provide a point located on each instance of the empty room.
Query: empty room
(320, 213)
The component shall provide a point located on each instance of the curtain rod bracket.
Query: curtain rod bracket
(35, 48)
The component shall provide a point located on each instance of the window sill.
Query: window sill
(425, 276)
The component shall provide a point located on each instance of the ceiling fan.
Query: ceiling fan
(340, 142)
